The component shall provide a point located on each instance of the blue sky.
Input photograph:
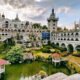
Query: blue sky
(68, 11)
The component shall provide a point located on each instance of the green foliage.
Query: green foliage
(16, 49)
(39, 58)
(49, 59)
(49, 43)
(14, 55)
(55, 45)
(13, 72)
(43, 74)
(2, 47)
(9, 42)
(44, 27)
(47, 46)
(45, 50)
(14, 58)
(36, 25)
(63, 49)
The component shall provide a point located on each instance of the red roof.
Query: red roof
(56, 55)
(3, 62)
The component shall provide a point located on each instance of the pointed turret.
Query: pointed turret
(52, 22)
(17, 17)
(3, 16)
(53, 14)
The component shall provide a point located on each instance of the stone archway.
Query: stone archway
(70, 48)
(53, 45)
(57, 44)
(78, 47)
(63, 45)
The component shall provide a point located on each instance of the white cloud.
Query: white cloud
(40, 0)
(25, 13)
(31, 12)
(63, 10)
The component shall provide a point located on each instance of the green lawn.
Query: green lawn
(13, 72)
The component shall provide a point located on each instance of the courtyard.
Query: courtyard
(14, 72)
(42, 62)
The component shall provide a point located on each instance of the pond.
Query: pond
(14, 72)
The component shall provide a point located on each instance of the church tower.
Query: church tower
(52, 22)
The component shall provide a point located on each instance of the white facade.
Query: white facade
(12, 28)
(64, 37)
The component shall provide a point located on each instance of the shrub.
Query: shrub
(39, 58)
(45, 50)
(15, 58)
(43, 74)
(49, 59)
(63, 49)
(47, 46)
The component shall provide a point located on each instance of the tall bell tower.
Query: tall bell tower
(52, 23)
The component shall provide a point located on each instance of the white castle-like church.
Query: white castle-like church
(21, 29)
(63, 38)
(26, 32)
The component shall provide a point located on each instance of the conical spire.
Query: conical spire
(53, 10)
(17, 17)
(3, 16)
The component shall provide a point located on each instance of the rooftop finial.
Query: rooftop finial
(53, 10)
(17, 17)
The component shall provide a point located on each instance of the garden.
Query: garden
(39, 59)
(14, 72)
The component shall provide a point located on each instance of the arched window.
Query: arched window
(64, 34)
(72, 39)
(72, 34)
(2, 34)
(70, 48)
(19, 30)
(8, 30)
(2, 29)
(68, 34)
(58, 38)
(15, 25)
(64, 38)
(68, 39)
(6, 24)
(5, 29)
(63, 45)
(78, 47)
(15, 30)
(23, 30)
(77, 34)
(61, 34)
(76, 39)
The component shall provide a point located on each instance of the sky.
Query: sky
(68, 11)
